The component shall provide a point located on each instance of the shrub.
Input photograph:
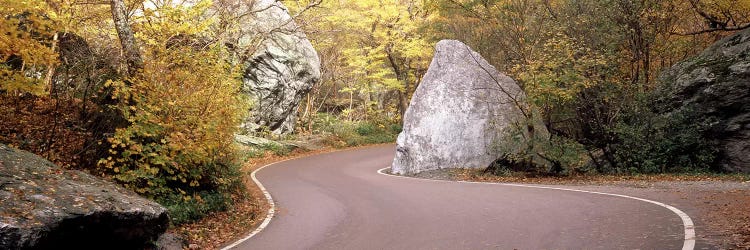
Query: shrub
(173, 140)
(184, 209)
(646, 143)
(564, 155)
(653, 143)
(542, 155)
(396, 128)
(183, 109)
(365, 128)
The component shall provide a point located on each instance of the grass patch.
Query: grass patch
(260, 151)
(356, 133)
(184, 209)
(277, 148)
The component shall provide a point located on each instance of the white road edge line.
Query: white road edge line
(272, 209)
(687, 223)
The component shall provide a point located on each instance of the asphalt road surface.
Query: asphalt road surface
(339, 201)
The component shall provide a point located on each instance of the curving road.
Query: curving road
(339, 201)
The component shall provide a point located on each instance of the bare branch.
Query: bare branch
(513, 97)
(715, 24)
(740, 27)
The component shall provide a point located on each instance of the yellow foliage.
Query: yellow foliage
(560, 70)
(377, 45)
(26, 49)
(183, 107)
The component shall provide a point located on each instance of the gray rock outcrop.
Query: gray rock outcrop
(281, 71)
(45, 207)
(458, 114)
(715, 86)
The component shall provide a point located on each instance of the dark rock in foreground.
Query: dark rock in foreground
(45, 207)
(715, 86)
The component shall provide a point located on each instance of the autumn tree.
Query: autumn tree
(372, 51)
(27, 46)
(717, 16)
(127, 39)
(183, 107)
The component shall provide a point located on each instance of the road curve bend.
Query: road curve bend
(339, 201)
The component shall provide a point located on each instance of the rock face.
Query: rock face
(715, 85)
(457, 114)
(45, 207)
(281, 71)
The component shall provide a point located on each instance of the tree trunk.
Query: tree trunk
(403, 103)
(51, 68)
(402, 76)
(127, 38)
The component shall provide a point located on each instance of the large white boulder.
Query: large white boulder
(458, 114)
(282, 69)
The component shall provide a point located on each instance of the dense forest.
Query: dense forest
(590, 70)
(149, 93)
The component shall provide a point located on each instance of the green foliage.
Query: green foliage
(355, 133)
(183, 209)
(396, 128)
(584, 65)
(540, 153)
(565, 156)
(255, 153)
(365, 129)
(653, 143)
(559, 71)
(644, 143)
(277, 148)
